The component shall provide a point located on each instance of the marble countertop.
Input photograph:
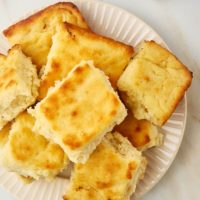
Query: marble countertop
(178, 23)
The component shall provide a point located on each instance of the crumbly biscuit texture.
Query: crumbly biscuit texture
(18, 84)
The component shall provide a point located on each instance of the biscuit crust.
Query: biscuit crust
(35, 33)
(119, 168)
(72, 44)
(154, 83)
(141, 133)
(30, 154)
(79, 111)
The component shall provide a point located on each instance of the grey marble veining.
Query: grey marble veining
(178, 23)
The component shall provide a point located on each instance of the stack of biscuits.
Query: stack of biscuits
(70, 95)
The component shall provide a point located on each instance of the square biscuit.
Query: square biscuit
(154, 83)
(28, 153)
(72, 44)
(35, 33)
(112, 172)
(79, 111)
(18, 84)
(141, 133)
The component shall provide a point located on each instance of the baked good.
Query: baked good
(141, 133)
(29, 153)
(154, 83)
(111, 172)
(72, 44)
(35, 33)
(79, 111)
(26, 179)
(18, 84)
(4, 137)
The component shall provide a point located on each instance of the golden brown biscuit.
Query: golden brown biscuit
(72, 44)
(141, 133)
(35, 33)
(154, 83)
(30, 154)
(18, 84)
(79, 111)
(4, 133)
(111, 172)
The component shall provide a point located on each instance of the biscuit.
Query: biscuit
(154, 83)
(18, 84)
(29, 154)
(72, 44)
(4, 133)
(79, 111)
(111, 172)
(141, 133)
(35, 33)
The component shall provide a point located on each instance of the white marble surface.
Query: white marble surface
(178, 22)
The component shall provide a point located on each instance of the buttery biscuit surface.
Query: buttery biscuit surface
(72, 44)
(141, 133)
(154, 83)
(35, 33)
(4, 133)
(28, 153)
(111, 172)
(79, 111)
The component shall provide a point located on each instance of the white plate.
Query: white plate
(116, 23)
